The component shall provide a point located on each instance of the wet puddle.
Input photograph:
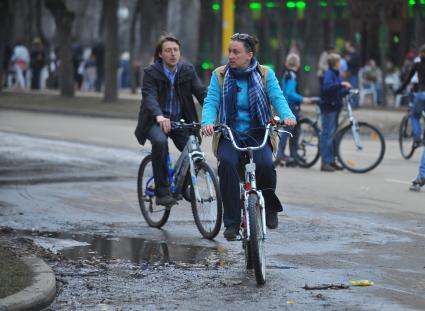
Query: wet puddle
(136, 250)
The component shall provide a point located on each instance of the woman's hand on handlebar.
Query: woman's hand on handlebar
(164, 124)
(208, 130)
(289, 122)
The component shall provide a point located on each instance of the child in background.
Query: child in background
(292, 95)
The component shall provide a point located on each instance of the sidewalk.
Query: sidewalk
(27, 282)
(127, 107)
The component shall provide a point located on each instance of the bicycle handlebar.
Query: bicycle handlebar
(269, 127)
(182, 125)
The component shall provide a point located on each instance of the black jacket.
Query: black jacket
(155, 92)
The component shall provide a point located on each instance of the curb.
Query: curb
(39, 294)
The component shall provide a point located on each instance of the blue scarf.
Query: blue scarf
(259, 108)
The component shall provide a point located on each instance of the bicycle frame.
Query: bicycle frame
(351, 119)
(186, 162)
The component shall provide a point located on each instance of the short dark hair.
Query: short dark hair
(165, 37)
(422, 48)
(248, 41)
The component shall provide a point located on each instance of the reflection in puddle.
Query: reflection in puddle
(76, 247)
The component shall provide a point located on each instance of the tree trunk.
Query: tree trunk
(312, 47)
(383, 44)
(5, 20)
(419, 25)
(133, 69)
(63, 19)
(111, 50)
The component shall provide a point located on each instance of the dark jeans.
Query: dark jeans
(229, 161)
(416, 114)
(159, 142)
(327, 145)
(35, 79)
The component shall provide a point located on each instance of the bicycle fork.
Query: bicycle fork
(355, 129)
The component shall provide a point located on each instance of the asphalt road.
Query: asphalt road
(68, 175)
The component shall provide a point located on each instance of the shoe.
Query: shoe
(417, 143)
(337, 167)
(166, 200)
(417, 184)
(231, 233)
(278, 162)
(327, 168)
(271, 220)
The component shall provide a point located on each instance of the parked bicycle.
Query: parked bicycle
(252, 205)
(359, 146)
(191, 178)
(405, 132)
(304, 146)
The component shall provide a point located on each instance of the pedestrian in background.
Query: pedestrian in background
(290, 88)
(38, 61)
(20, 60)
(332, 92)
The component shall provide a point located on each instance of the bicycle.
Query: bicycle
(359, 146)
(405, 133)
(304, 146)
(252, 205)
(191, 178)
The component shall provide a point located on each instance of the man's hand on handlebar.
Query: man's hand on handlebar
(164, 124)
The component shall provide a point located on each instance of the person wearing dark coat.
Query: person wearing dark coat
(168, 88)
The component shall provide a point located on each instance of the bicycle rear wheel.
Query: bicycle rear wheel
(207, 212)
(155, 215)
(256, 239)
(305, 143)
(364, 157)
(405, 138)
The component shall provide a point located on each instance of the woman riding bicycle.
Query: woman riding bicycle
(239, 95)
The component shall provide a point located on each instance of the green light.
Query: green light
(271, 66)
(300, 4)
(272, 5)
(216, 7)
(323, 4)
(422, 1)
(396, 39)
(255, 6)
(343, 3)
(307, 68)
(412, 2)
(205, 65)
(290, 4)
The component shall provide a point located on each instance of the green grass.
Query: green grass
(14, 274)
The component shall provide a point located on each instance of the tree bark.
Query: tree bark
(111, 50)
(5, 21)
(133, 24)
(63, 19)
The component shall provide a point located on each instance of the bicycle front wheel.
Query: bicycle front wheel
(360, 150)
(256, 239)
(405, 138)
(155, 215)
(207, 205)
(305, 143)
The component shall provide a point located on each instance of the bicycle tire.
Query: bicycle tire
(305, 145)
(156, 216)
(214, 213)
(405, 138)
(348, 155)
(256, 239)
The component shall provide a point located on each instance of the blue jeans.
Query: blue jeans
(422, 165)
(329, 125)
(416, 113)
(228, 170)
(354, 84)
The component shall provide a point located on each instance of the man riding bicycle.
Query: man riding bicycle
(168, 86)
(419, 102)
(239, 95)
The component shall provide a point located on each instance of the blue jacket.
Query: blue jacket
(243, 118)
(332, 91)
(291, 92)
